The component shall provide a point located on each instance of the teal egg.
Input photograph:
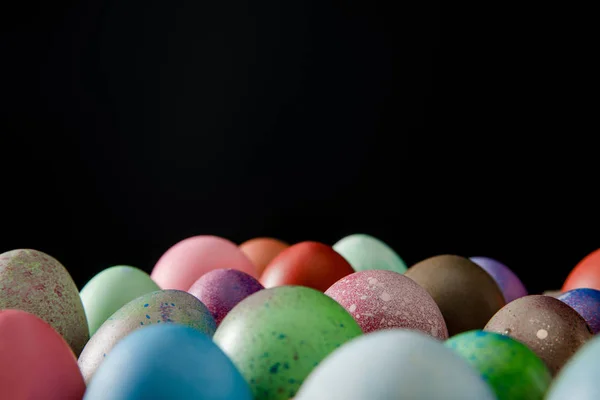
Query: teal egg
(364, 252)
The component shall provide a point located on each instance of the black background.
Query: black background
(130, 125)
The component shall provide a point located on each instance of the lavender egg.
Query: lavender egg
(222, 289)
(587, 303)
(511, 286)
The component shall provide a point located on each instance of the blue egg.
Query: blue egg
(167, 361)
(587, 303)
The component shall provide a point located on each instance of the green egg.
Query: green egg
(110, 290)
(365, 252)
(512, 370)
(277, 336)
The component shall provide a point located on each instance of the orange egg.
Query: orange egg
(262, 250)
(586, 273)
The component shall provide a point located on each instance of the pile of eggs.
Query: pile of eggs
(308, 321)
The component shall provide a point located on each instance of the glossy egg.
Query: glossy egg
(511, 369)
(309, 264)
(394, 364)
(164, 306)
(184, 263)
(277, 336)
(586, 273)
(511, 286)
(553, 330)
(587, 303)
(167, 361)
(35, 361)
(110, 290)
(467, 295)
(222, 289)
(33, 281)
(262, 250)
(364, 252)
(379, 299)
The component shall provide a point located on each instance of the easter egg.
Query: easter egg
(35, 361)
(167, 361)
(511, 286)
(549, 327)
(394, 364)
(511, 369)
(222, 289)
(552, 293)
(163, 306)
(467, 295)
(276, 336)
(309, 264)
(33, 281)
(110, 290)
(262, 250)
(379, 299)
(191, 258)
(587, 303)
(580, 377)
(364, 252)
(586, 273)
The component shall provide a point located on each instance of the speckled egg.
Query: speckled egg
(163, 306)
(510, 284)
(379, 299)
(222, 289)
(511, 369)
(365, 252)
(587, 303)
(277, 336)
(37, 283)
(549, 327)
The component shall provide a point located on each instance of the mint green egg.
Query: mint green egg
(511, 369)
(364, 252)
(110, 290)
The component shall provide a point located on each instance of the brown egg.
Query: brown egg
(549, 327)
(552, 293)
(262, 250)
(467, 295)
(310, 264)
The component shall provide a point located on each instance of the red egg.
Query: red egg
(586, 273)
(310, 264)
(35, 361)
(261, 251)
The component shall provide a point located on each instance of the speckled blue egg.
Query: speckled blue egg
(587, 303)
(509, 283)
(167, 361)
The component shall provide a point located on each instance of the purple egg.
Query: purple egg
(222, 289)
(587, 303)
(511, 286)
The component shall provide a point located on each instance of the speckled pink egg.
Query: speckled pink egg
(184, 263)
(222, 289)
(379, 299)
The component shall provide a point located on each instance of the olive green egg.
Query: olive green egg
(277, 336)
(35, 282)
(162, 306)
(365, 252)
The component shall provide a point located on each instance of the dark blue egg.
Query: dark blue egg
(587, 303)
(167, 361)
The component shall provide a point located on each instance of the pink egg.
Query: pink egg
(222, 289)
(380, 299)
(35, 361)
(191, 258)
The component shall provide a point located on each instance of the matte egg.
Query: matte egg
(549, 327)
(467, 295)
(222, 289)
(163, 306)
(191, 258)
(379, 299)
(364, 252)
(511, 369)
(33, 281)
(511, 286)
(167, 361)
(110, 290)
(276, 336)
(587, 303)
(35, 361)
(309, 264)
(262, 250)
(553, 293)
(586, 273)
(394, 364)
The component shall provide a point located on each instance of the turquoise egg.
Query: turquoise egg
(364, 252)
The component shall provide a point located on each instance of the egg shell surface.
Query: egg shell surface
(586, 273)
(587, 303)
(262, 250)
(511, 286)
(365, 252)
